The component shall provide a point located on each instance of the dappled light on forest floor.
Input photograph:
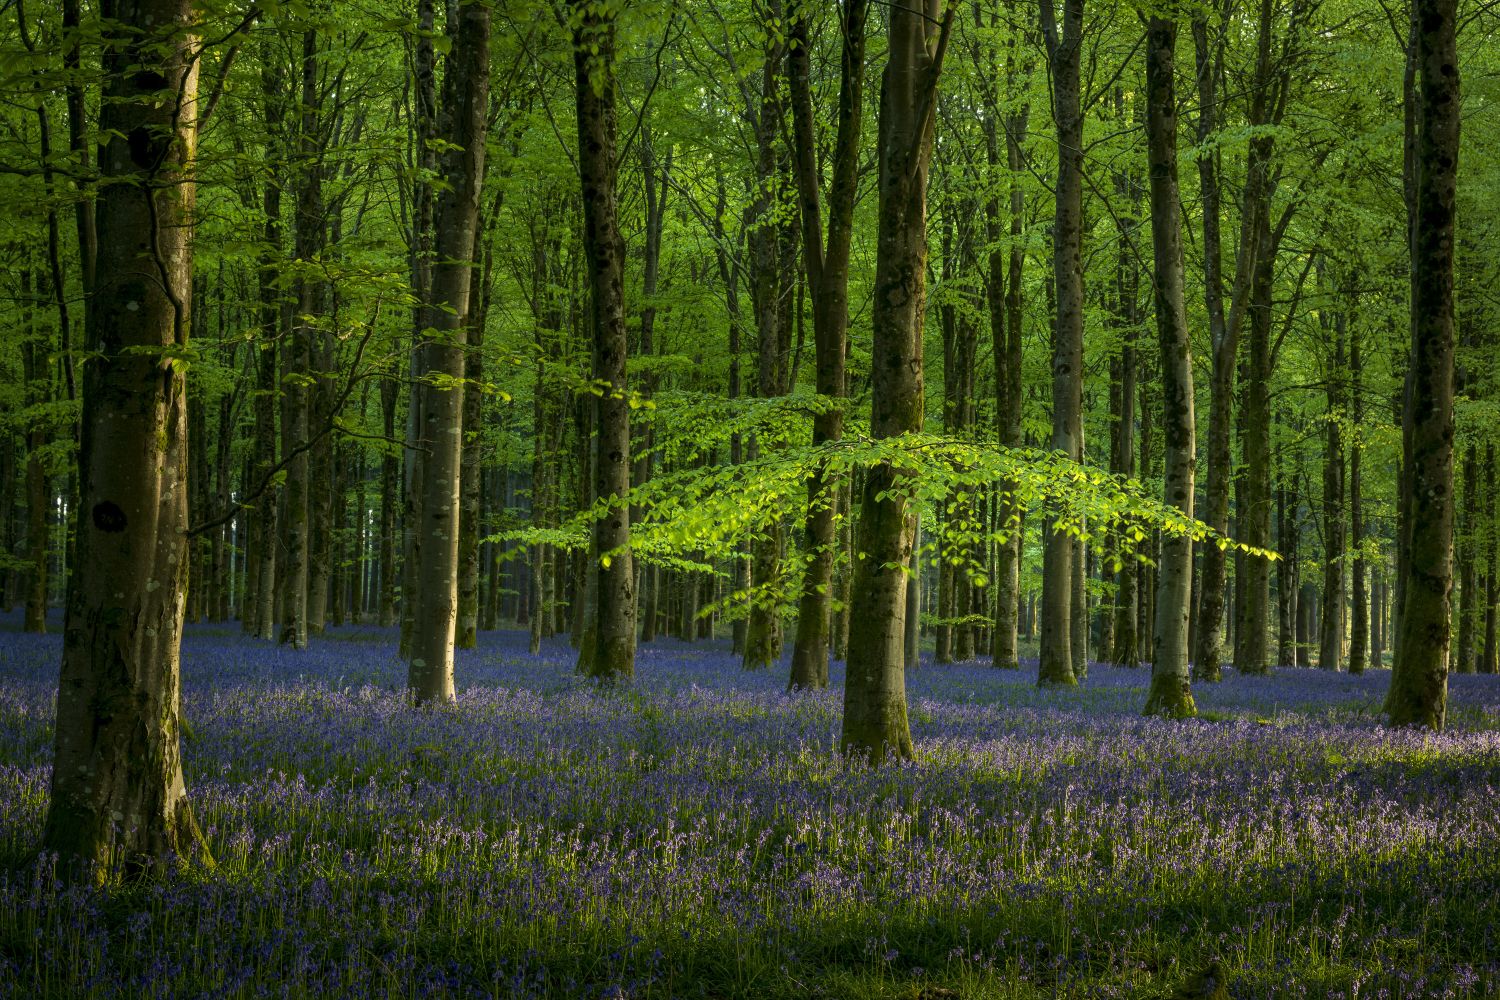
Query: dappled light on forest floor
(693, 835)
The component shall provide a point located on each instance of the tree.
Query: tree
(462, 128)
(828, 280)
(117, 792)
(1171, 690)
(1419, 674)
(612, 656)
(1065, 52)
(875, 723)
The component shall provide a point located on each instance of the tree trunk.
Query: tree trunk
(614, 610)
(912, 654)
(875, 723)
(1490, 657)
(1171, 691)
(38, 386)
(828, 280)
(1359, 648)
(1419, 677)
(1331, 638)
(1253, 512)
(298, 365)
(1005, 324)
(1286, 569)
(766, 295)
(1464, 546)
(117, 791)
(1067, 335)
(462, 127)
(471, 472)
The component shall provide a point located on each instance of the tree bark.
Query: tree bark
(613, 655)
(1170, 694)
(875, 723)
(1489, 654)
(1005, 275)
(462, 127)
(1359, 642)
(117, 792)
(1419, 677)
(1331, 637)
(38, 389)
(1066, 51)
(763, 628)
(471, 472)
(828, 280)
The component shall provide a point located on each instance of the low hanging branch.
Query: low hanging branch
(718, 508)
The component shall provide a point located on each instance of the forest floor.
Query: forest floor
(695, 836)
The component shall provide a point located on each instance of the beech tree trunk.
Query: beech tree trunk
(1005, 292)
(1170, 694)
(471, 471)
(1359, 641)
(828, 280)
(1488, 660)
(117, 793)
(1465, 554)
(762, 635)
(613, 653)
(38, 393)
(1331, 638)
(1419, 675)
(297, 367)
(461, 127)
(875, 723)
(1066, 51)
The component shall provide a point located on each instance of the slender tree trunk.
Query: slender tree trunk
(1419, 677)
(8, 475)
(1490, 658)
(828, 280)
(1331, 639)
(1464, 546)
(912, 654)
(38, 385)
(1253, 513)
(390, 491)
(1286, 569)
(614, 646)
(1223, 339)
(1125, 650)
(462, 128)
(471, 472)
(117, 791)
(875, 723)
(1171, 692)
(297, 364)
(766, 295)
(1057, 666)
(1359, 642)
(1009, 389)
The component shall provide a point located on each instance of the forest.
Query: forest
(905, 499)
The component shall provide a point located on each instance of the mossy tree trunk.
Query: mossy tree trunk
(1170, 694)
(117, 791)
